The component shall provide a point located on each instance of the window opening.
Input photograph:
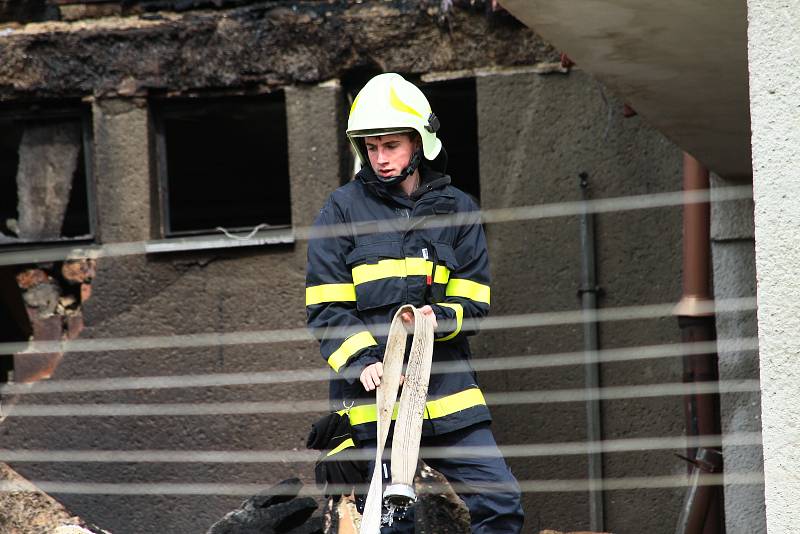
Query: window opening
(223, 163)
(44, 178)
(455, 104)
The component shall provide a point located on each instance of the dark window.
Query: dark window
(44, 169)
(455, 104)
(223, 163)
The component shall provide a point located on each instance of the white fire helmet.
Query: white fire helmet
(390, 104)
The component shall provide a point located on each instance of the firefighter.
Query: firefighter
(360, 271)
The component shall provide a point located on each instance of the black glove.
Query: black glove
(338, 468)
(329, 432)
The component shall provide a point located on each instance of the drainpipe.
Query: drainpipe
(588, 293)
(697, 324)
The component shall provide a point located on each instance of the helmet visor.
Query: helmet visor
(379, 131)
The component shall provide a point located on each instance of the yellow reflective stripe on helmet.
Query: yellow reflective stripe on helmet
(399, 105)
(351, 345)
(330, 293)
(469, 398)
(459, 287)
(369, 272)
(459, 319)
(355, 101)
(342, 446)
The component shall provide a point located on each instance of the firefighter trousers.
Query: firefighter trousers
(492, 510)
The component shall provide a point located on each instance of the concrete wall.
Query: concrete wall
(184, 293)
(733, 255)
(537, 133)
(126, 206)
(775, 112)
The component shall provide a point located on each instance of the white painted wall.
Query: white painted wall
(774, 48)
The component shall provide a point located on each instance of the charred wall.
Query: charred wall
(535, 134)
(254, 48)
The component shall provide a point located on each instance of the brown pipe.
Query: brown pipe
(696, 243)
(697, 324)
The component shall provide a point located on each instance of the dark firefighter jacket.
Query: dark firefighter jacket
(373, 249)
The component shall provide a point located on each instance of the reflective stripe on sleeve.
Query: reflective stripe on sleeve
(330, 293)
(469, 398)
(459, 318)
(351, 345)
(369, 272)
(460, 287)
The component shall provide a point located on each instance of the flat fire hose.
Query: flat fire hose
(408, 427)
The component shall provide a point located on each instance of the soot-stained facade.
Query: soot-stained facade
(192, 119)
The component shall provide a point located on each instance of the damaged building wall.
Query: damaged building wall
(183, 293)
(536, 133)
(255, 47)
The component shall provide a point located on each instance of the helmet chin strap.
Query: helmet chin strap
(413, 164)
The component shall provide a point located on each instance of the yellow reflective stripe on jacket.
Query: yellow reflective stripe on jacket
(330, 293)
(460, 287)
(454, 403)
(342, 446)
(351, 345)
(459, 319)
(368, 413)
(369, 272)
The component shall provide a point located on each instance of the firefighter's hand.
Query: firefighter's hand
(427, 311)
(371, 376)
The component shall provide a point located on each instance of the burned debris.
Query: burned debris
(52, 299)
(278, 511)
(254, 48)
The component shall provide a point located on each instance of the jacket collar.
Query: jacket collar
(431, 180)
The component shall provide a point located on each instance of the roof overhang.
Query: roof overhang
(682, 65)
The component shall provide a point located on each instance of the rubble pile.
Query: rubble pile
(27, 510)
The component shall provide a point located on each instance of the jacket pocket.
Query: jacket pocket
(446, 255)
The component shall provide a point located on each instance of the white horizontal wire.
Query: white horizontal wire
(498, 215)
(305, 456)
(294, 407)
(531, 361)
(216, 339)
(524, 320)
(527, 486)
